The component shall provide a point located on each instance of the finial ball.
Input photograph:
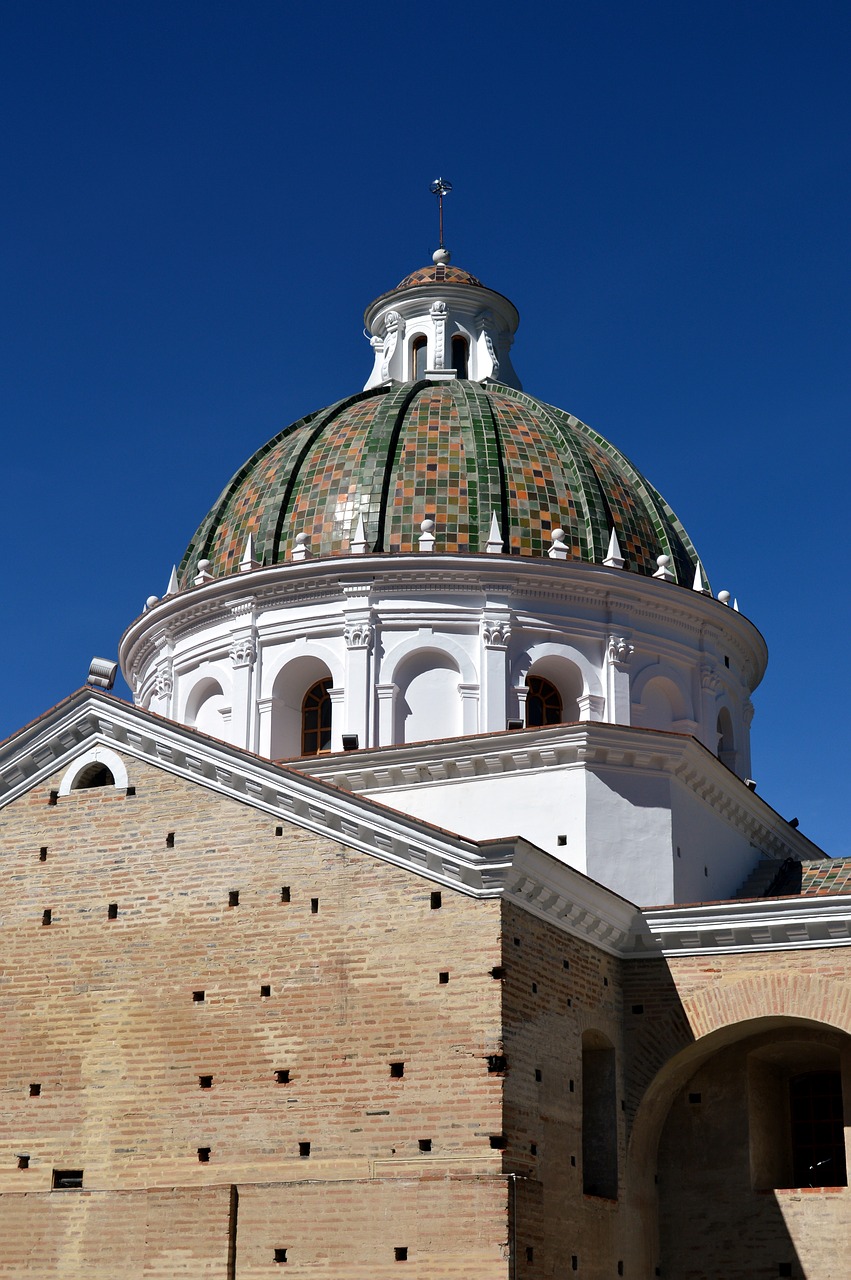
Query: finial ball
(557, 535)
(151, 601)
(301, 539)
(426, 525)
(663, 561)
(724, 597)
(203, 566)
(440, 257)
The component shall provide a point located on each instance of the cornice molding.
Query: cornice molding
(569, 584)
(511, 868)
(761, 924)
(595, 745)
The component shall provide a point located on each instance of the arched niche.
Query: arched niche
(208, 707)
(292, 683)
(660, 700)
(726, 750)
(87, 771)
(428, 701)
(599, 1116)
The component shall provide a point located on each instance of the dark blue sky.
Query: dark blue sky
(201, 198)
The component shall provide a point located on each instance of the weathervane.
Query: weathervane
(440, 187)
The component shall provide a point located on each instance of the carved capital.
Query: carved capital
(392, 320)
(710, 680)
(496, 633)
(358, 635)
(619, 651)
(243, 651)
(164, 683)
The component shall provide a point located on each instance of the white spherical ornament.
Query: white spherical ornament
(663, 561)
(426, 526)
(557, 535)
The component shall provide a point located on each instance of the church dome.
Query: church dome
(439, 273)
(456, 452)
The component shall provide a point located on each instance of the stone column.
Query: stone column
(359, 639)
(243, 651)
(710, 687)
(495, 633)
(264, 726)
(591, 706)
(386, 694)
(469, 707)
(618, 657)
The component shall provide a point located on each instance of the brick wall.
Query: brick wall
(100, 1014)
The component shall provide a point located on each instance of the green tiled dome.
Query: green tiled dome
(455, 452)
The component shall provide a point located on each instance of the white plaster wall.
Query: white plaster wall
(714, 859)
(538, 806)
(628, 834)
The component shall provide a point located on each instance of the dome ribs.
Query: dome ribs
(399, 399)
(545, 487)
(454, 451)
(434, 473)
(275, 542)
(332, 485)
(201, 545)
(487, 436)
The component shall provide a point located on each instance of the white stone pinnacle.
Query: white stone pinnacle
(495, 543)
(664, 570)
(358, 545)
(558, 551)
(173, 585)
(249, 560)
(301, 550)
(426, 538)
(699, 578)
(613, 557)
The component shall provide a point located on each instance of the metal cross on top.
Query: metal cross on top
(440, 187)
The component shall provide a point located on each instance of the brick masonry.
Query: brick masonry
(101, 1014)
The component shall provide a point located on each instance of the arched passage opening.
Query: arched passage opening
(302, 712)
(428, 703)
(731, 1131)
(554, 687)
(207, 708)
(726, 743)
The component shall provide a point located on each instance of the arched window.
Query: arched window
(316, 719)
(94, 775)
(419, 353)
(818, 1142)
(460, 355)
(543, 702)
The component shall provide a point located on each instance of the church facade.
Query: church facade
(420, 916)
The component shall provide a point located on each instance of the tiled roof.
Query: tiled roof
(455, 452)
(438, 274)
(818, 879)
